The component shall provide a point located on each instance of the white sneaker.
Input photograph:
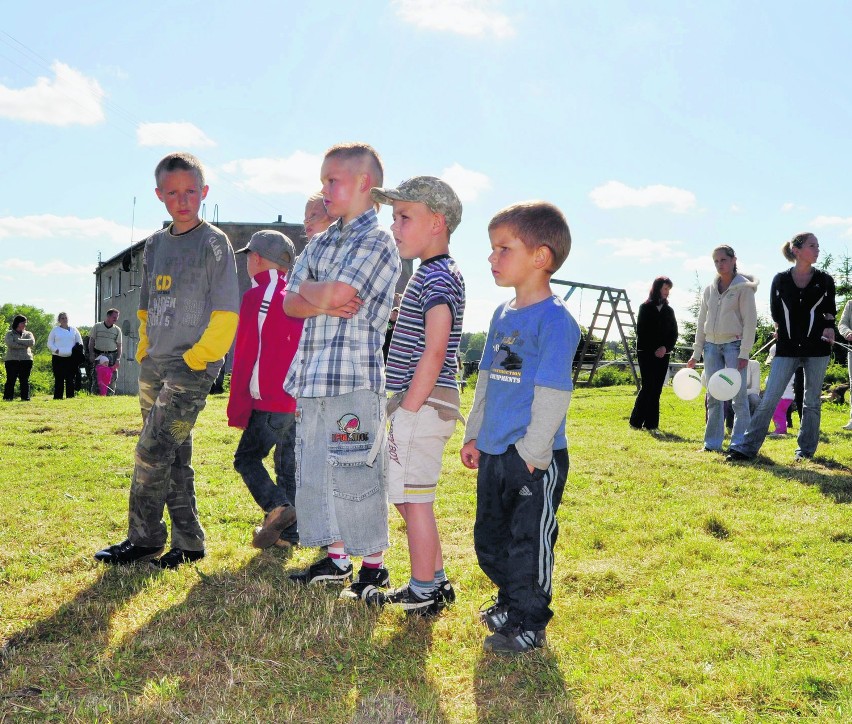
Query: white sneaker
(847, 426)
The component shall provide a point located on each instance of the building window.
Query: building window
(118, 284)
(107, 287)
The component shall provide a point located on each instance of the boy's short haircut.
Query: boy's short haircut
(438, 195)
(360, 152)
(537, 223)
(179, 161)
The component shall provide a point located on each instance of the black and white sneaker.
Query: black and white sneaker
(446, 594)
(125, 553)
(514, 640)
(413, 605)
(324, 571)
(366, 588)
(175, 557)
(494, 616)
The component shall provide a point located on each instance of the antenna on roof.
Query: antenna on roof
(204, 211)
(127, 259)
(215, 214)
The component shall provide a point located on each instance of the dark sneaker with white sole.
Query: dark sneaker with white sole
(514, 640)
(176, 556)
(367, 586)
(495, 616)
(323, 571)
(446, 594)
(125, 553)
(407, 600)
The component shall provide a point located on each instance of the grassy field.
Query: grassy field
(686, 589)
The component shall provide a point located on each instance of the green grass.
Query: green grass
(686, 589)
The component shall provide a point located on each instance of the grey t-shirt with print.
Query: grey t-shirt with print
(185, 278)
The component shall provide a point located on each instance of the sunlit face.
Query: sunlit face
(412, 228)
(724, 264)
(343, 186)
(512, 262)
(809, 251)
(182, 194)
(316, 219)
(112, 318)
(664, 291)
(63, 320)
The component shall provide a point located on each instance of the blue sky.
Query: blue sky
(661, 129)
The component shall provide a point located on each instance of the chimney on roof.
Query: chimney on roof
(279, 218)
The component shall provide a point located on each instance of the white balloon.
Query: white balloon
(725, 384)
(687, 384)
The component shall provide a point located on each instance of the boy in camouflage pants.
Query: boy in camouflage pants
(187, 319)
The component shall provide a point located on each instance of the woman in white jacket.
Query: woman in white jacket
(845, 329)
(60, 342)
(724, 335)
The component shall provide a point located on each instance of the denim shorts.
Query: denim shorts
(341, 463)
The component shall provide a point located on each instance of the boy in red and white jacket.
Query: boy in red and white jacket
(267, 340)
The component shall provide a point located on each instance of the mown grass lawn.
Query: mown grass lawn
(686, 588)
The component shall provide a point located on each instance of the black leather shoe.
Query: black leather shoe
(125, 553)
(735, 456)
(176, 556)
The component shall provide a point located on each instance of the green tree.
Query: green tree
(474, 343)
(39, 322)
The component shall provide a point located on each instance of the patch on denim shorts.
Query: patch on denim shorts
(350, 430)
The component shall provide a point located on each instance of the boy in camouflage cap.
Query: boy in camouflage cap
(421, 370)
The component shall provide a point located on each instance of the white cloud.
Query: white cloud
(644, 250)
(702, 264)
(296, 174)
(178, 135)
(48, 226)
(477, 18)
(821, 222)
(54, 267)
(466, 183)
(66, 99)
(616, 195)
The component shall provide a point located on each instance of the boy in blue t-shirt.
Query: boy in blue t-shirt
(515, 433)
(421, 371)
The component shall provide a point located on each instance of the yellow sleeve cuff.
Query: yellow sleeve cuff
(215, 342)
(142, 347)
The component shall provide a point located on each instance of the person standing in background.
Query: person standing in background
(61, 342)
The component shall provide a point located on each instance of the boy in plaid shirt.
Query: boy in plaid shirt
(343, 286)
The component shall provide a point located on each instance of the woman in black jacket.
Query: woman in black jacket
(802, 305)
(656, 334)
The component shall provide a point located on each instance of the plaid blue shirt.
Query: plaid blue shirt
(337, 356)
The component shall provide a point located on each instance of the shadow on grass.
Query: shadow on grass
(525, 688)
(833, 479)
(402, 692)
(70, 640)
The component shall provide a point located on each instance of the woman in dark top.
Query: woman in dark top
(802, 305)
(656, 334)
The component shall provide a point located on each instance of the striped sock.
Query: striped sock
(440, 577)
(374, 560)
(338, 556)
(421, 589)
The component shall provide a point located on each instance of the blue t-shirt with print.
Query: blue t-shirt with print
(527, 347)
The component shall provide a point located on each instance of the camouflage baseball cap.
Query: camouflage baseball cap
(271, 245)
(433, 192)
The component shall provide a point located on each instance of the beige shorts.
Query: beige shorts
(416, 442)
